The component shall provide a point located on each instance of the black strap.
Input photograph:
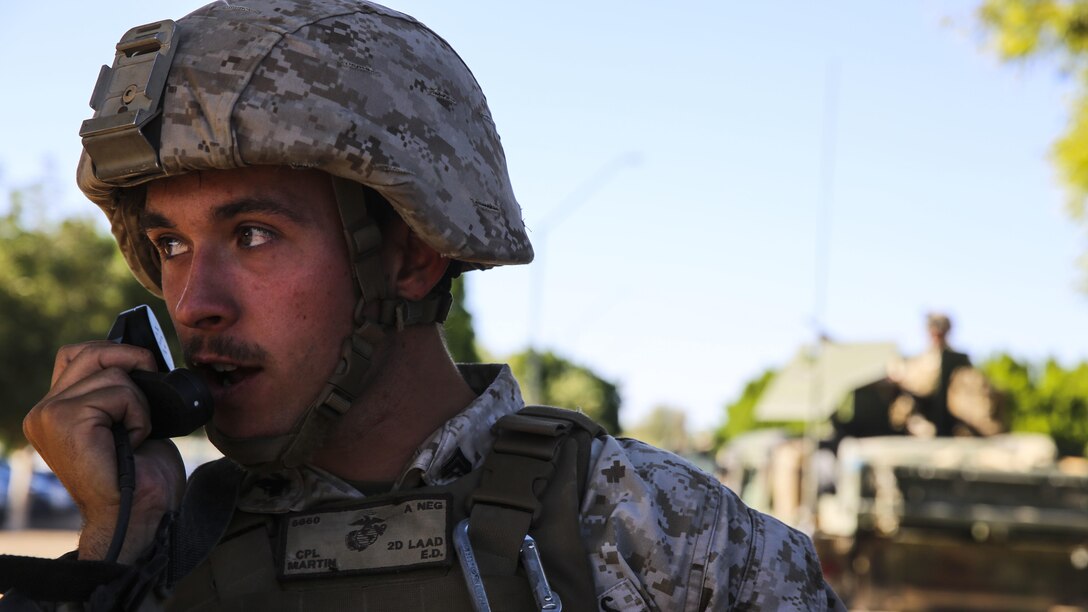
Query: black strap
(99, 585)
(206, 510)
(64, 579)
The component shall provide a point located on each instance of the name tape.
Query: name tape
(373, 538)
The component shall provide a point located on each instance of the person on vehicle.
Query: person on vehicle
(300, 180)
(925, 380)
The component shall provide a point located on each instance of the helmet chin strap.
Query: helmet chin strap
(345, 385)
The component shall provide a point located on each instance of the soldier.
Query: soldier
(300, 181)
(925, 380)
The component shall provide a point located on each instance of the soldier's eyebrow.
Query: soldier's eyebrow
(230, 210)
(150, 220)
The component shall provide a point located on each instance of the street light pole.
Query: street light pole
(577, 198)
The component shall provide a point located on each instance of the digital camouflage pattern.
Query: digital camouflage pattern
(677, 537)
(345, 86)
(662, 534)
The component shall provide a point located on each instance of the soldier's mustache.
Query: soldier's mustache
(237, 351)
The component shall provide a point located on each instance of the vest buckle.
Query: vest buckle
(545, 597)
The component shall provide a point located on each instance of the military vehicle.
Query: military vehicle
(904, 519)
(955, 524)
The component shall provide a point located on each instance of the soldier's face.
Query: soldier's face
(256, 278)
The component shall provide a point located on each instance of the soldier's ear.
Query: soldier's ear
(419, 267)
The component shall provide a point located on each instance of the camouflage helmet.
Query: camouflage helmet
(345, 86)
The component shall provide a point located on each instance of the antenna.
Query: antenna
(809, 478)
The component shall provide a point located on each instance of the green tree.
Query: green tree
(1021, 30)
(569, 385)
(740, 415)
(665, 427)
(59, 284)
(460, 337)
(1015, 382)
(1046, 398)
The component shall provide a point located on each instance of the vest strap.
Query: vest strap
(508, 500)
(205, 513)
(530, 446)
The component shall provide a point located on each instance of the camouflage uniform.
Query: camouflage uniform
(662, 534)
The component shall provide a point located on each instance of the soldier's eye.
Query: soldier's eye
(250, 236)
(169, 247)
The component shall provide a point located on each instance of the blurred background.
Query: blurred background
(744, 216)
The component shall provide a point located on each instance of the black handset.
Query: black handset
(180, 401)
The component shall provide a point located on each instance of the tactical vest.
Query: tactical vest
(408, 550)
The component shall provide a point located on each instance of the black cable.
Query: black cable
(126, 484)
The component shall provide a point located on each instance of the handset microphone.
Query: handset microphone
(180, 402)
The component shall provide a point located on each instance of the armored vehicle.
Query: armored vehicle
(955, 524)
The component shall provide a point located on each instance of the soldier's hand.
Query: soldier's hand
(71, 427)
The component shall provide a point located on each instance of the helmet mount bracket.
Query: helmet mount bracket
(121, 137)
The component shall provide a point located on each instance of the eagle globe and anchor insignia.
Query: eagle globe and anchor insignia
(370, 529)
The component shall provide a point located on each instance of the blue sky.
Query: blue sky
(672, 164)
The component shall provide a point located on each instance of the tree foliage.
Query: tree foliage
(1020, 30)
(59, 284)
(1045, 398)
(569, 385)
(665, 427)
(740, 415)
(460, 337)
